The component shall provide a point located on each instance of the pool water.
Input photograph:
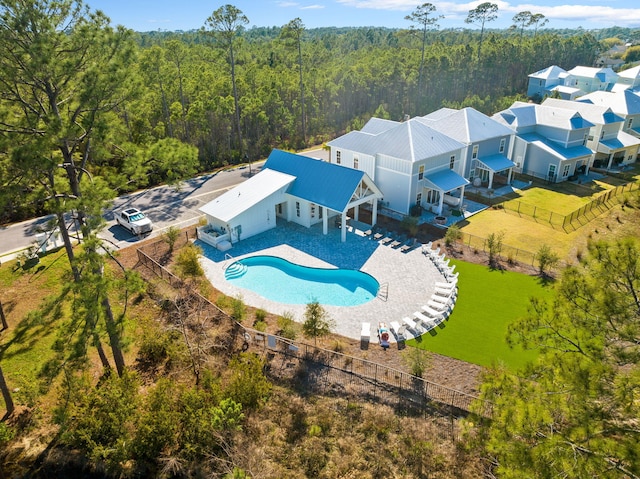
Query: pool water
(284, 282)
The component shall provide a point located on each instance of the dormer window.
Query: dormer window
(420, 172)
(474, 154)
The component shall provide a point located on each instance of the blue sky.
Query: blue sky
(146, 15)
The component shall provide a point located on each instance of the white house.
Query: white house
(412, 162)
(624, 103)
(550, 142)
(610, 144)
(487, 143)
(293, 187)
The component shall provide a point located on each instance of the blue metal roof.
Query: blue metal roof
(446, 180)
(319, 182)
(556, 149)
(497, 162)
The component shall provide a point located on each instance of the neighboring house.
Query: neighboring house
(410, 161)
(610, 144)
(550, 142)
(628, 79)
(485, 157)
(590, 79)
(624, 103)
(544, 82)
(293, 187)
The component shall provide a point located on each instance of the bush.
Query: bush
(417, 359)
(288, 327)
(453, 235)
(187, 262)
(171, 236)
(260, 314)
(547, 259)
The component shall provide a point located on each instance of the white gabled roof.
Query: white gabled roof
(378, 125)
(623, 102)
(630, 73)
(469, 126)
(247, 194)
(550, 72)
(596, 114)
(412, 140)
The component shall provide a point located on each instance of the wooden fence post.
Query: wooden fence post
(3, 318)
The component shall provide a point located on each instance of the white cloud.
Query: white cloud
(578, 14)
(287, 4)
(312, 7)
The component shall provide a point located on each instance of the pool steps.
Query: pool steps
(235, 270)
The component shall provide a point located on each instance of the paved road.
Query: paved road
(165, 205)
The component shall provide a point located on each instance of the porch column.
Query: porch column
(374, 213)
(325, 221)
(490, 179)
(343, 227)
(440, 202)
(610, 160)
(508, 176)
(461, 198)
(356, 212)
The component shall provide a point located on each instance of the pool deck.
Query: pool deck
(410, 276)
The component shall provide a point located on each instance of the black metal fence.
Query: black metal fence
(337, 373)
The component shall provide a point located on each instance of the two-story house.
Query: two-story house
(411, 162)
(485, 157)
(611, 145)
(628, 79)
(624, 103)
(545, 82)
(590, 79)
(550, 141)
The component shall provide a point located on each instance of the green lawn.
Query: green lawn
(488, 300)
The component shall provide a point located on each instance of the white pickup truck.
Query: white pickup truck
(134, 220)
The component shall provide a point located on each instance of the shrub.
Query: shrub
(547, 259)
(171, 236)
(260, 314)
(187, 262)
(288, 327)
(452, 235)
(247, 384)
(238, 309)
(417, 359)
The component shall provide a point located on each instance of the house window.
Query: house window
(586, 137)
(474, 154)
(338, 157)
(298, 209)
(541, 82)
(518, 161)
(502, 143)
(565, 171)
(313, 211)
(279, 208)
(320, 212)
(602, 134)
(452, 161)
(421, 172)
(552, 172)
(355, 162)
(418, 199)
(630, 123)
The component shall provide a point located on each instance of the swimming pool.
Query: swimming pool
(280, 280)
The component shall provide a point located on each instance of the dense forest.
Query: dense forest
(189, 102)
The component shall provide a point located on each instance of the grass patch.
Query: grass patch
(488, 300)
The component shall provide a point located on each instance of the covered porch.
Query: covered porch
(365, 193)
(623, 149)
(485, 169)
(442, 187)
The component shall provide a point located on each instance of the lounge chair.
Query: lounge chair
(434, 313)
(446, 285)
(434, 253)
(426, 248)
(432, 305)
(397, 330)
(378, 234)
(410, 323)
(409, 244)
(451, 277)
(426, 322)
(398, 241)
(440, 299)
(388, 237)
(365, 333)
